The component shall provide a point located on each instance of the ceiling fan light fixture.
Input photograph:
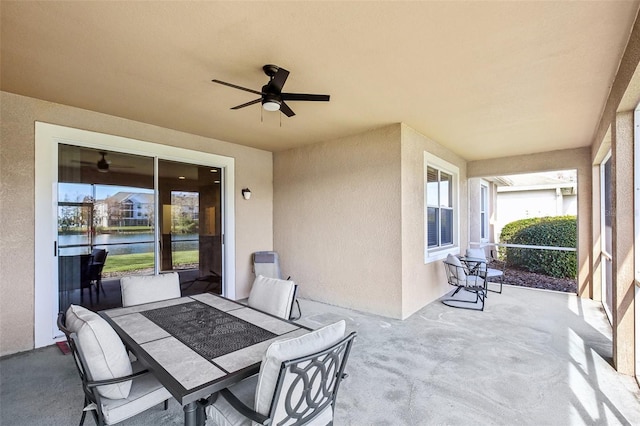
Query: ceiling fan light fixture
(271, 105)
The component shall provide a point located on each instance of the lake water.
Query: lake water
(123, 243)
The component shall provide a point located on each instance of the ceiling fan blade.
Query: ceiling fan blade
(279, 79)
(237, 87)
(304, 97)
(255, 101)
(286, 110)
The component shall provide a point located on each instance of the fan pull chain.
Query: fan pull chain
(261, 115)
(280, 118)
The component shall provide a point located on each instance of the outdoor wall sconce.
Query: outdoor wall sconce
(246, 193)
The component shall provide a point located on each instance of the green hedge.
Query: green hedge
(560, 231)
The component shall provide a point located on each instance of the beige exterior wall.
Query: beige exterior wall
(423, 283)
(337, 222)
(579, 159)
(253, 169)
(349, 220)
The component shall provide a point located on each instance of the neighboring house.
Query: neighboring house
(125, 209)
(534, 195)
(137, 209)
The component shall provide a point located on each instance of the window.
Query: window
(441, 218)
(484, 212)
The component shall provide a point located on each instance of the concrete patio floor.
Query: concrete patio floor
(531, 358)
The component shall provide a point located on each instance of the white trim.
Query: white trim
(484, 224)
(435, 254)
(47, 138)
(604, 255)
(636, 200)
(636, 227)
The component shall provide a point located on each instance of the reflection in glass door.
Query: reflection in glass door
(190, 197)
(107, 207)
(106, 228)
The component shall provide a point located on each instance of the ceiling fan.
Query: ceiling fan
(271, 95)
(102, 165)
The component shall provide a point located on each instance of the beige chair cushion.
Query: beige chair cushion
(104, 353)
(284, 350)
(145, 393)
(221, 413)
(272, 296)
(456, 270)
(256, 392)
(140, 289)
(477, 253)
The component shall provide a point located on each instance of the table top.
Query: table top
(199, 344)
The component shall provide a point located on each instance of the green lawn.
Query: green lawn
(135, 261)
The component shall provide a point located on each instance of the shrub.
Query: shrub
(558, 231)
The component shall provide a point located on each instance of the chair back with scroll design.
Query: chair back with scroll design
(297, 385)
(307, 387)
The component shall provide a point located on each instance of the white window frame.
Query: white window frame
(439, 253)
(484, 222)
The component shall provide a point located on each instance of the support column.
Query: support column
(585, 220)
(623, 250)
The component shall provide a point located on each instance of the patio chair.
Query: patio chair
(464, 278)
(297, 384)
(114, 388)
(273, 296)
(490, 274)
(140, 289)
(267, 264)
(91, 272)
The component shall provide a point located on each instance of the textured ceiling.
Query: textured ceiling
(485, 79)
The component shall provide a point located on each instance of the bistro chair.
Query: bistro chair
(267, 264)
(490, 274)
(114, 388)
(140, 289)
(297, 384)
(464, 278)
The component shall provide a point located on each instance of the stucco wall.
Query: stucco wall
(337, 220)
(579, 159)
(253, 169)
(423, 283)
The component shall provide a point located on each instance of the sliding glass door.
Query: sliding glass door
(190, 222)
(108, 204)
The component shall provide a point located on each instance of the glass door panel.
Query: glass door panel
(190, 224)
(105, 202)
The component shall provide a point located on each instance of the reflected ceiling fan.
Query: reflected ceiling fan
(271, 96)
(102, 165)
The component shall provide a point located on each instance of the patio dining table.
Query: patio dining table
(198, 345)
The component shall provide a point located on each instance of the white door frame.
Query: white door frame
(605, 257)
(636, 226)
(47, 138)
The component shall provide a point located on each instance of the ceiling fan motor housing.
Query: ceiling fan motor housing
(270, 101)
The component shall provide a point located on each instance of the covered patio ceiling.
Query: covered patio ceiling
(484, 79)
